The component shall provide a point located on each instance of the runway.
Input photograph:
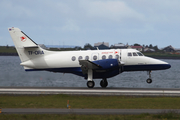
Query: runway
(94, 91)
(85, 111)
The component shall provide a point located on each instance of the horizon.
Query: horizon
(72, 46)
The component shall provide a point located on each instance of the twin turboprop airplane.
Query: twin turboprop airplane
(90, 64)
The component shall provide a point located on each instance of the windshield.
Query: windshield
(135, 54)
(140, 54)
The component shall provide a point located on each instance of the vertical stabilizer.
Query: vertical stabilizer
(27, 49)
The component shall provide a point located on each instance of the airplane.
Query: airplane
(90, 64)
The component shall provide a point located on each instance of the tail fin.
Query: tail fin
(27, 49)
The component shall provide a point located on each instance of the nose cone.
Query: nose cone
(166, 66)
(158, 64)
(163, 65)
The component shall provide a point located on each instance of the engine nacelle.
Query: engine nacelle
(107, 63)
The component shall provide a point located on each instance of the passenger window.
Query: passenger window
(129, 54)
(140, 54)
(94, 57)
(73, 58)
(87, 58)
(117, 57)
(80, 58)
(110, 56)
(103, 57)
(134, 54)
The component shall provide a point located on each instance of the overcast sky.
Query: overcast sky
(77, 22)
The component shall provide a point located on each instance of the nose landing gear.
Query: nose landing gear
(149, 80)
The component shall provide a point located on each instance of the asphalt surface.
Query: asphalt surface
(94, 91)
(85, 111)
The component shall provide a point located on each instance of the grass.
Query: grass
(114, 102)
(5, 49)
(161, 54)
(106, 102)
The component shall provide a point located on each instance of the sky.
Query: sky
(77, 22)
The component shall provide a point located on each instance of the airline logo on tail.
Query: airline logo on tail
(23, 38)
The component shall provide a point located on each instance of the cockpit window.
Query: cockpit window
(134, 54)
(140, 54)
(129, 54)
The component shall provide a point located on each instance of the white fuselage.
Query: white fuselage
(70, 59)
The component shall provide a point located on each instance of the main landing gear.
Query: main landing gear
(149, 80)
(90, 82)
(104, 83)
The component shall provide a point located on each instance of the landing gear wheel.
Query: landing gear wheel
(104, 83)
(90, 84)
(149, 80)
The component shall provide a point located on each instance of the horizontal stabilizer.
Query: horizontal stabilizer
(36, 46)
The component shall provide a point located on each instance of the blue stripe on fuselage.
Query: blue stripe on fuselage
(78, 71)
(146, 67)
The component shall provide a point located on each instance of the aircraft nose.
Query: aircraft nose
(164, 65)
(167, 66)
(158, 64)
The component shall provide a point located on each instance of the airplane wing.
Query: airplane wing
(86, 64)
(100, 65)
